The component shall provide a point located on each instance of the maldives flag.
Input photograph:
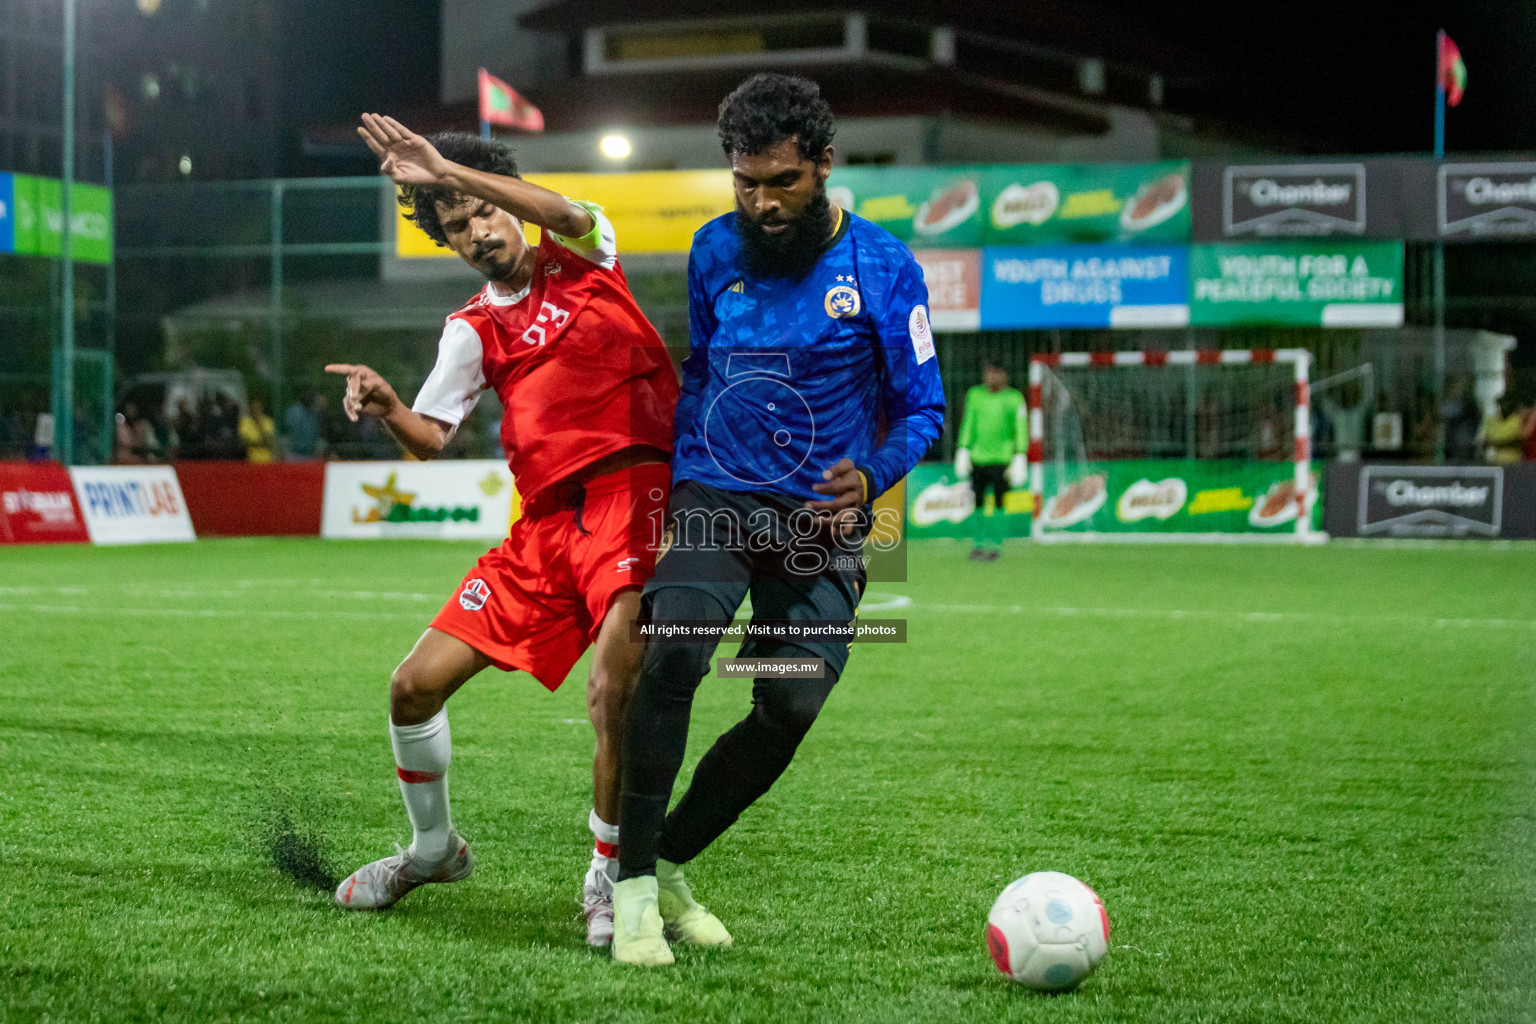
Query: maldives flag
(501, 104)
(1453, 73)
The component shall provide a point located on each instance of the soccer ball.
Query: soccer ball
(1047, 931)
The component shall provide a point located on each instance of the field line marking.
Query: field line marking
(1064, 611)
(874, 602)
(199, 592)
(204, 613)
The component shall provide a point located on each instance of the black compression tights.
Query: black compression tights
(737, 770)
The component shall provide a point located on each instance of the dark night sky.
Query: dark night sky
(343, 57)
(1331, 76)
(1360, 76)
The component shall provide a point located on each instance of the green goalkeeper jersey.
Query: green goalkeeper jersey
(995, 427)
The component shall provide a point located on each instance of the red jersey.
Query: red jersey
(579, 369)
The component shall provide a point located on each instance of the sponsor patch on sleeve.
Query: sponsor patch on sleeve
(922, 333)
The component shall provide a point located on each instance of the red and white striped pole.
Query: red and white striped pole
(1036, 444)
(1303, 433)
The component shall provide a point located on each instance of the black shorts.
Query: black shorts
(729, 544)
(993, 478)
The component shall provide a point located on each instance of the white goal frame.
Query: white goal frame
(1299, 358)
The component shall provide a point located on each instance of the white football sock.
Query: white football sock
(422, 753)
(605, 856)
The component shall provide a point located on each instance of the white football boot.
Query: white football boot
(383, 883)
(683, 917)
(637, 927)
(597, 904)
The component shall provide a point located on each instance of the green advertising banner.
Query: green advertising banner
(1324, 283)
(40, 219)
(1176, 496)
(1020, 204)
(938, 505)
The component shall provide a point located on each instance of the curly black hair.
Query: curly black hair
(462, 148)
(766, 109)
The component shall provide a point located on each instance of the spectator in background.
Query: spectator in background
(190, 443)
(16, 432)
(1528, 431)
(122, 448)
(1501, 432)
(257, 433)
(10, 436)
(1461, 422)
(376, 444)
(223, 419)
(135, 438)
(85, 436)
(1426, 427)
(326, 425)
(160, 427)
(1346, 417)
(42, 438)
(301, 428)
(1272, 428)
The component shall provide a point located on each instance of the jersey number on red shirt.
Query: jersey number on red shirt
(549, 313)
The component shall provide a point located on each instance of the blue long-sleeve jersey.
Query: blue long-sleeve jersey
(785, 378)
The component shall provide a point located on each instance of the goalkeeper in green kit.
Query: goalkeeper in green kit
(990, 453)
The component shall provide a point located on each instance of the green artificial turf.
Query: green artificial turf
(1301, 779)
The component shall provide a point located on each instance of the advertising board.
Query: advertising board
(1322, 283)
(1085, 286)
(132, 504)
(938, 505)
(1405, 501)
(1174, 496)
(953, 277)
(1020, 204)
(451, 500)
(37, 505)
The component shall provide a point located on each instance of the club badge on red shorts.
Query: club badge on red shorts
(474, 595)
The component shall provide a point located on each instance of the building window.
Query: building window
(722, 43)
(870, 159)
(1090, 77)
(902, 38)
(640, 44)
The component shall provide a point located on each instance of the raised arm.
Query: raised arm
(408, 159)
(369, 394)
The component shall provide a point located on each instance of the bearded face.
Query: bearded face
(782, 214)
(786, 248)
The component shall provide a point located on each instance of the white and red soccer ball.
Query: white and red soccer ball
(1048, 931)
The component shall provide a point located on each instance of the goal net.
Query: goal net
(1183, 445)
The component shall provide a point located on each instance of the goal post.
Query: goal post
(1200, 445)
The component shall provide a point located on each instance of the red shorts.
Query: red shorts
(537, 602)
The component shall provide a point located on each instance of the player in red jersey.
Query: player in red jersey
(589, 392)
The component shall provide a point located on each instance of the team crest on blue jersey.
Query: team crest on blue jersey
(843, 299)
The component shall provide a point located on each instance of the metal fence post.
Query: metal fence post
(64, 382)
(275, 356)
(110, 332)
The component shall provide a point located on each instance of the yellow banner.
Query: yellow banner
(651, 211)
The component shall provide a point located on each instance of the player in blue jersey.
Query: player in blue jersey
(810, 388)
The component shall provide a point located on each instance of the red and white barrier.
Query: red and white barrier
(249, 499)
(38, 505)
